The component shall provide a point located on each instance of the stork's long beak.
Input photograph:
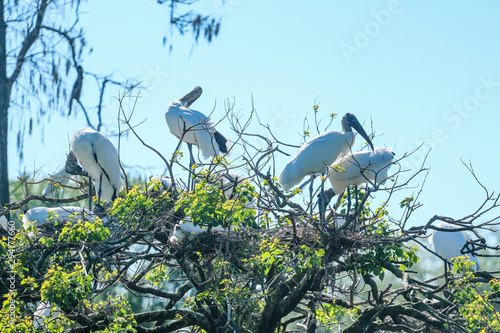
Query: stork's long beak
(357, 126)
(192, 96)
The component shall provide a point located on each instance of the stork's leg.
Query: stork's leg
(348, 204)
(322, 202)
(90, 193)
(191, 163)
(100, 190)
(355, 203)
(311, 193)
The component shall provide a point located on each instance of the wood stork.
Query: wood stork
(165, 182)
(449, 244)
(361, 167)
(358, 168)
(99, 160)
(318, 153)
(58, 177)
(229, 180)
(186, 229)
(44, 312)
(194, 128)
(38, 216)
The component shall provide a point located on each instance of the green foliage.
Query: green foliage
(157, 276)
(331, 315)
(84, 231)
(276, 262)
(116, 315)
(138, 207)
(475, 306)
(373, 259)
(207, 205)
(58, 282)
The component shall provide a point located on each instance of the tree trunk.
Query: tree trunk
(4, 111)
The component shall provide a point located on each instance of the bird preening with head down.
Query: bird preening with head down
(359, 168)
(453, 243)
(99, 159)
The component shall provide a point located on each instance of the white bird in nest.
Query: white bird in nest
(194, 128)
(449, 244)
(99, 160)
(186, 229)
(359, 168)
(39, 215)
(44, 314)
(57, 178)
(165, 183)
(317, 154)
(229, 181)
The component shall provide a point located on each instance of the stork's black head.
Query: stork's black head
(349, 120)
(192, 96)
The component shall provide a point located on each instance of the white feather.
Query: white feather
(99, 159)
(44, 311)
(449, 244)
(188, 229)
(315, 156)
(165, 183)
(228, 186)
(4, 223)
(374, 163)
(38, 216)
(200, 128)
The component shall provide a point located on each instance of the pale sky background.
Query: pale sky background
(422, 71)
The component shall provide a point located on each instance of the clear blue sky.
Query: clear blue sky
(422, 71)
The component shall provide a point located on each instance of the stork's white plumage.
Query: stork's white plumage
(45, 312)
(448, 244)
(3, 222)
(165, 182)
(38, 216)
(187, 229)
(99, 159)
(200, 129)
(227, 181)
(318, 153)
(347, 170)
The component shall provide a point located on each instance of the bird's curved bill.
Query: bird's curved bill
(192, 96)
(357, 126)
